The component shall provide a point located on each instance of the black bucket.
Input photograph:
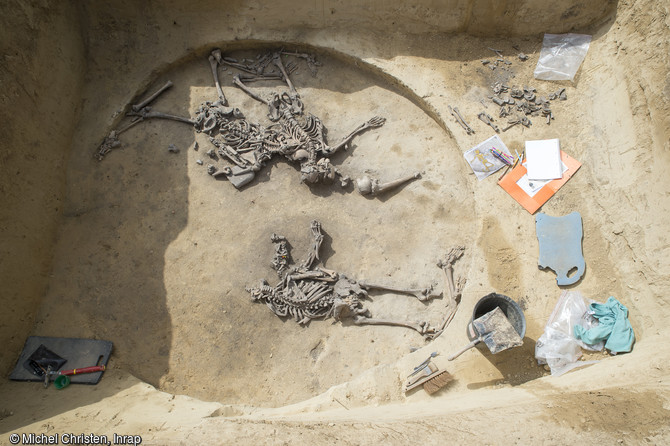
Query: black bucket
(511, 309)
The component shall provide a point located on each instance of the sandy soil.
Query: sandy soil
(154, 255)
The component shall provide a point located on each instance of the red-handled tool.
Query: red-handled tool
(93, 369)
(62, 379)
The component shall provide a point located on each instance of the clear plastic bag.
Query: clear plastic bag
(561, 56)
(558, 347)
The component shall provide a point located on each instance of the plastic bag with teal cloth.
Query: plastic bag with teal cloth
(613, 326)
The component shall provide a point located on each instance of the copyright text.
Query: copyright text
(77, 439)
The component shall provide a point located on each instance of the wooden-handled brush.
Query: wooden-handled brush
(429, 375)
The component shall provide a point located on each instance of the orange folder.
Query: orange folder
(532, 204)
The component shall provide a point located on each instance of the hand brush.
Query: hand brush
(429, 375)
(437, 381)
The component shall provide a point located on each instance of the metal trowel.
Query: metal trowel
(495, 330)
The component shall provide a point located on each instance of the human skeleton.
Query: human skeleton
(297, 136)
(307, 292)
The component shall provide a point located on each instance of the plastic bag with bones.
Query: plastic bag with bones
(307, 292)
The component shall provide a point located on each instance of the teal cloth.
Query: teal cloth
(613, 325)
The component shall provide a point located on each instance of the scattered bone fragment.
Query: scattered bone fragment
(499, 88)
(306, 292)
(459, 119)
(485, 61)
(516, 93)
(199, 162)
(173, 149)
(498, 52)
(488, 120)
(559, 94)
(211, 169)
(505, 111)
(511, 123)
(498, 101)
(529, 93)
(523, 57)
(372, 186)
(196, 146)
(549, 115)
(525, 100)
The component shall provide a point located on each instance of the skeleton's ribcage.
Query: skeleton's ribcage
(241, 135)
(304, 299)
(308, 131)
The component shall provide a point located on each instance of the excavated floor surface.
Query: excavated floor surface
(193, 327)
(162, 252)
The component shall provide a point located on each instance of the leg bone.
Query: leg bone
(214, 64)
(148, 100)
(455, 289)
(447, 266)
(277, 61)
(146, 113)
(423, 294)
(422, 328)
(238, 82)
(371, 186)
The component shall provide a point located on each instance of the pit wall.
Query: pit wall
(51, 47)
(41, 74)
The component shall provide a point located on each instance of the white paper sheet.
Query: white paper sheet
(544, 159)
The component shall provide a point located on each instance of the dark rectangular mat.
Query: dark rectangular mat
(77, 353)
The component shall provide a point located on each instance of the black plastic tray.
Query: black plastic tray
(79, 353)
